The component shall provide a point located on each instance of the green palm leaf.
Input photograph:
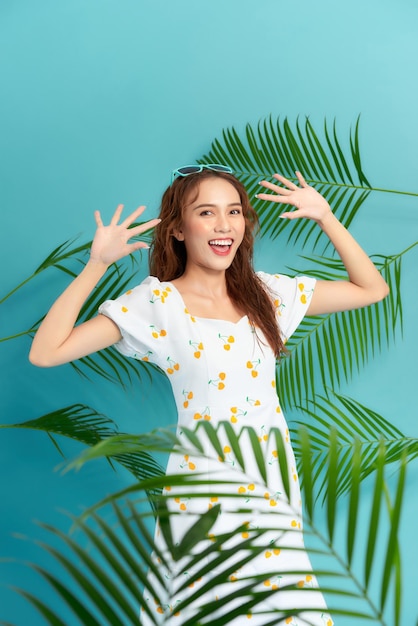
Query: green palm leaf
(356, 425)
(63, 256)
(380, 506)
(48, 614)
(108, 363)
(85, 425)
(327, 349)
(274, 146)
(61, 253)
(108, 575)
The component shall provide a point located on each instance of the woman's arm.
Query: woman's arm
(365, 285)
(58, 340)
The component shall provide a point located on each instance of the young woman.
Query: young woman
(217, 327)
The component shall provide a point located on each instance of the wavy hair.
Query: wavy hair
(168, 256)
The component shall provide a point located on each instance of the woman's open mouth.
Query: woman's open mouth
(221, 246)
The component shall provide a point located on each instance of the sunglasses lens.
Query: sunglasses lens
(220, 168)
(189, 169)
(195, 169)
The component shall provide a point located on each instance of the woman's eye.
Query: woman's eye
(236, 212)
(207, 212)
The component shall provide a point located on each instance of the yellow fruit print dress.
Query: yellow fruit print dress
(224, 371)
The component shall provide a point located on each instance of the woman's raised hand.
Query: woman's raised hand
(307, 201)
(111, 242)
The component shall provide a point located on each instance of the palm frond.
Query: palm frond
(85, 425)
(380, 505)
(107, 364)
(108, 574)
(356, 424)
(275, 146)
(327, 349)
(61, 253)
(63, 256)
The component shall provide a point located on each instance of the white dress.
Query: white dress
(222, 371)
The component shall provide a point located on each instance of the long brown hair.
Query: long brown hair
(168, 256)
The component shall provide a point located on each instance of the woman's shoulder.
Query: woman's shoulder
(272, 279)
(282, 280)
(288, 288)
(151, 284)
(140, 308)
(150, 281)
(150, 291)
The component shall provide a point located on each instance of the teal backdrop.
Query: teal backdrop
(100, 100)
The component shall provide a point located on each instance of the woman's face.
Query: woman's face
(213, 225)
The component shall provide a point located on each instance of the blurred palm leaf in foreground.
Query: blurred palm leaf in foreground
(109, 575)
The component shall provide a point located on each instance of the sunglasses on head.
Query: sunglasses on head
(186, 170)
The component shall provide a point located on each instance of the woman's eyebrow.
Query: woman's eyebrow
(207, 204)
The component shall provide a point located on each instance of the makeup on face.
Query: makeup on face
(213, 221)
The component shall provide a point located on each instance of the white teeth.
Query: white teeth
(221, 242)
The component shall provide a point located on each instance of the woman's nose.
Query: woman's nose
(222, 224)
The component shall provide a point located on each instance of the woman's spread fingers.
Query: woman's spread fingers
(301, 180)
(286, 186)
(273, 198)
(133, 216)
(142, 228)
(150, 224)
(98, 219)
(116, 214)
(272, 186)
(289, 184)
(138, 245)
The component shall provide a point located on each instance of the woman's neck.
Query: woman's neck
(206, 295)
(202, 282)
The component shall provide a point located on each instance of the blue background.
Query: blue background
(100, 100)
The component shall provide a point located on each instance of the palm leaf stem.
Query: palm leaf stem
(395, 257)
(29, 331)
(50, 261)
(347, 570)
(19, 286)
(55, 258)
(393, 552)
(327, 183)
(85, 425)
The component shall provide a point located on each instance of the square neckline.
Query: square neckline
(199, 317)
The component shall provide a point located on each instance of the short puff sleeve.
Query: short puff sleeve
(291, 297)
(142, 317)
